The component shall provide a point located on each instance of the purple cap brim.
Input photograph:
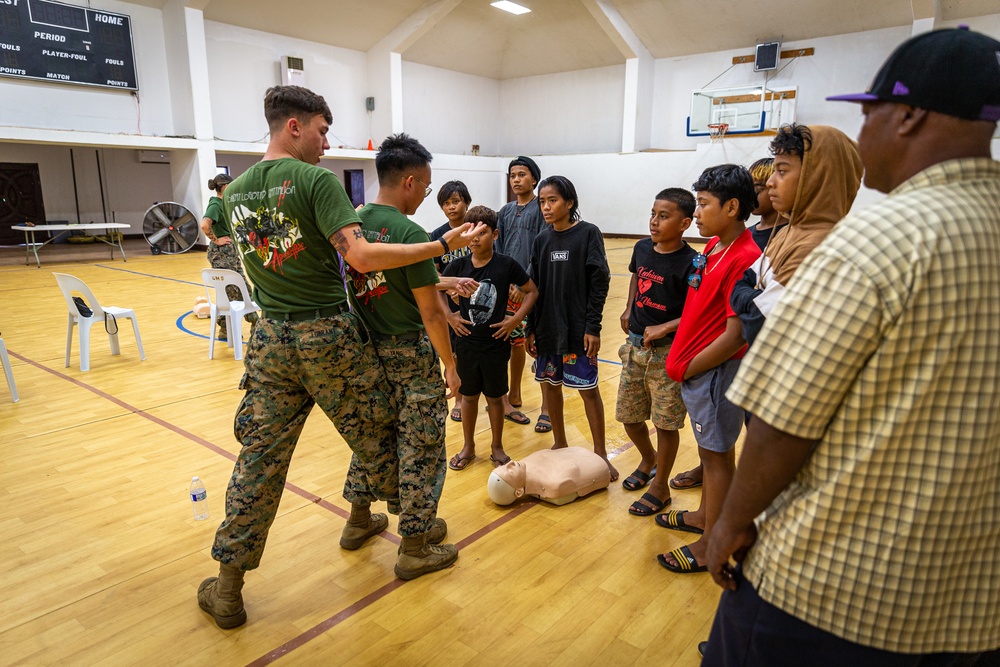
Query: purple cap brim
(856, 97)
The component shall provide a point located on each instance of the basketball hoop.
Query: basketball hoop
(717, 131)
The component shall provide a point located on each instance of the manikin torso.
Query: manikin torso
(558, 476)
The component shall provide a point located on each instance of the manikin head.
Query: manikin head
(507, 482)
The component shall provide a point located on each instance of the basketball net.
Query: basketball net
(717, 132)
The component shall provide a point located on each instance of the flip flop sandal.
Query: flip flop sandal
(517, 417)
(686, 563)
(498, 462)
(459, 462)
(456, 414)
(674, 520)
(543, 425)
(695, 483)
(638, 479)
(640, 509)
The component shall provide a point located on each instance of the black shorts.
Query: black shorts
(482, 372)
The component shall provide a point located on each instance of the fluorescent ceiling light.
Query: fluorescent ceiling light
(511, 7)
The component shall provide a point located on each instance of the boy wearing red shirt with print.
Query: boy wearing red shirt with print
(708, 346)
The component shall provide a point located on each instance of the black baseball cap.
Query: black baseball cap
(954, 71)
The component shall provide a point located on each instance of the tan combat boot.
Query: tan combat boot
(361, 525)
(418, 557)
(220, 596)
(435, 535)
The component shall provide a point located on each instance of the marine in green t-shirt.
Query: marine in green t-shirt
(384, 299)
(290, 219)
(283, 213)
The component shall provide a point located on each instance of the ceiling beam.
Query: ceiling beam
(415, 26)
(616, 28)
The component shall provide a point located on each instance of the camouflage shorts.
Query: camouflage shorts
(418, 391)
(645, 391)
(290, 366)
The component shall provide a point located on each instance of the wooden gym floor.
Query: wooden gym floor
(103, 558)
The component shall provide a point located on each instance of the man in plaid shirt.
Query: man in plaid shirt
(865, 512)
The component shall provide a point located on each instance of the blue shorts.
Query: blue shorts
(715, 421)
(576, 371)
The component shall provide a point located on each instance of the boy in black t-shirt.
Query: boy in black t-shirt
(570, 267)
(482, 329)
(660, 266)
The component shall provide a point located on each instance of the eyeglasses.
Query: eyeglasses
(427, 192)
(699, 263)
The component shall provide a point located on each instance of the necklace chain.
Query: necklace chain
(709, 270)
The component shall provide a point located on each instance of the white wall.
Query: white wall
(25, 103)
(571, 112)
(449, 111)
(244, 63)
(841, 64)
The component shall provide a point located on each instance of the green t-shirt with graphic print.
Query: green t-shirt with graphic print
(282, 214)
(384, 299)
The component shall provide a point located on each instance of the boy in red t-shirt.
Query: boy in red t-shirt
(708, 346)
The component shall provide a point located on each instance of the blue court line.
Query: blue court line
(180, 325)
(149, 275)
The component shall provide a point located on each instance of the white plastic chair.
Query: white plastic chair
(5, 360)
(70, 284)
(217, 280)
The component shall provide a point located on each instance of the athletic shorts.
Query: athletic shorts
(715, 421)
(517, 335)
(575, 371)
(482, 372)
(645, 391)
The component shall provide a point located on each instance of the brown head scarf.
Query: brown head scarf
(830, 179)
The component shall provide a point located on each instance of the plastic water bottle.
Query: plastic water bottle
(199, 499)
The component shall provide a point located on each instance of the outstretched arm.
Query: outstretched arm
(363, 256)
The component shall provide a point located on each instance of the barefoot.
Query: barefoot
(612, 470)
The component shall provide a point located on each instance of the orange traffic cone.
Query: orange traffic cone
(370, 147)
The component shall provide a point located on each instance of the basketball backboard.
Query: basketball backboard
(750, 109)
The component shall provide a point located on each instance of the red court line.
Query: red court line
(297, 490)
(354, 608)
(375, 596)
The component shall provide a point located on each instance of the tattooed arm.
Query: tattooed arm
(351, 243)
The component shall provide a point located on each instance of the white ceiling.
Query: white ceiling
(563, 35)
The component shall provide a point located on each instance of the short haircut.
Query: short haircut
(454, 187)
(762, 169)
(729, 181)
(399, 155)
(683, 199)
(792, 139)
(483, 214)
(284, 102)
(566, 190)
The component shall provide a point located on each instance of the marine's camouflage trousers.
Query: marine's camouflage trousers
(226, 257)
(289, 367)
(418, 391)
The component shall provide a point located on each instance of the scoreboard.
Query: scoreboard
(53, 41)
